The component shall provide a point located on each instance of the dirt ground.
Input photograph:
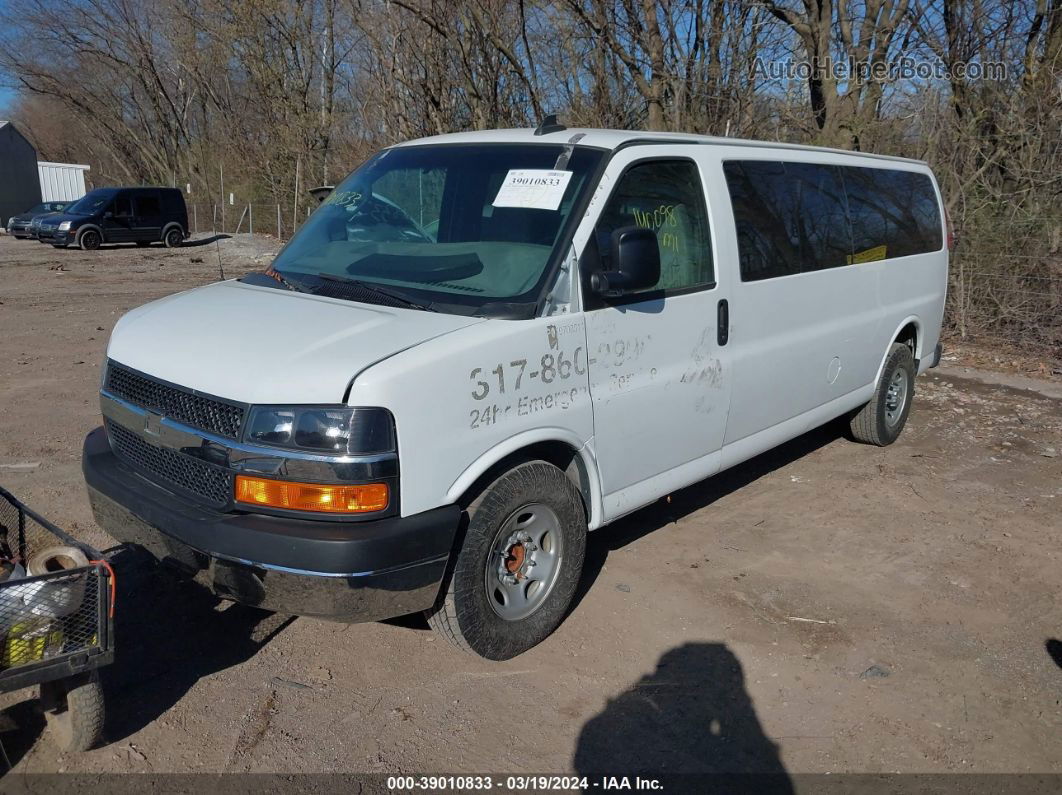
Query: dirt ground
(824, 607)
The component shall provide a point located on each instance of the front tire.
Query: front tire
(882, 419)
(518, 565)
(90, 240)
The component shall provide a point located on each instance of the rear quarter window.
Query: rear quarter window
(894, 213)
(173, 202)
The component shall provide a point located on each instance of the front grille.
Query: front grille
(209, 483)
(206, 413)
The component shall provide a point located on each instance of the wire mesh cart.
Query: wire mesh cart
(56, 622)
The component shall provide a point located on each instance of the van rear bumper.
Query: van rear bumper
(349, 571)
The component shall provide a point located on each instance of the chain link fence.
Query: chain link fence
(261, 218)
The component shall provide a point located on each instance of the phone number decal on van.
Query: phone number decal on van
(525, 405)
(550, 368)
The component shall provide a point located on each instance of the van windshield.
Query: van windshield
(454, 226)
(91, 202)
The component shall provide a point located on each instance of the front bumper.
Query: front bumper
(20, 230)
(350, 571)
(55, 237)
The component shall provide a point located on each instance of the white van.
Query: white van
(483, 345)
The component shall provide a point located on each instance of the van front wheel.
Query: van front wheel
(880, 421)
(90, 240)
(518, 565)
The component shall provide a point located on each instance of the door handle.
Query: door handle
(722, 329)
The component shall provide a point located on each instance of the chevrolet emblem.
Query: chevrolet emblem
(153, 423)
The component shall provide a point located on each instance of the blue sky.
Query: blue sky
(6, 94)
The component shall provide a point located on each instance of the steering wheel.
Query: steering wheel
(378, 219)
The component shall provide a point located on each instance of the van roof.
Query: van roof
(613, 139)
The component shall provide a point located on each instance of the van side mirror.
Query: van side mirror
(634, 261)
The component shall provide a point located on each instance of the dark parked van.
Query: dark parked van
(120, 215)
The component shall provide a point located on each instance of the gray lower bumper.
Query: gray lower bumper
(350, 571)
(366, 597)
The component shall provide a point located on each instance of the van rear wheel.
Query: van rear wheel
(174, 237)
(881, 420)
(518, 566)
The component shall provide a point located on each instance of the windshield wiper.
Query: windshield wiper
(372, 288)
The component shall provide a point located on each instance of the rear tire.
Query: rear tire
(518, 565)
(173, 238)
(90, 240)
(74, 711)
(882, 419)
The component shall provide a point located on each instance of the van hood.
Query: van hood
(60, 216)
(264, 345)
(31, 216)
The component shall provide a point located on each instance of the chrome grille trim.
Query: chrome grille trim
(208, 413)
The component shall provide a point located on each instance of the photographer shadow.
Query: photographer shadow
(691, 717)
(170, 634)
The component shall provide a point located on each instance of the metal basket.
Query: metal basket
(54, 625)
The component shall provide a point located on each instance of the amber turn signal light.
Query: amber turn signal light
(318, 497)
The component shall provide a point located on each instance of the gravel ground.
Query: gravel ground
(824, 607)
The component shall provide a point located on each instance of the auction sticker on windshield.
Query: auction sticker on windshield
(532, 188)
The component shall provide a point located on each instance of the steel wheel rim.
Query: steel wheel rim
(524, 562)
(896, 396)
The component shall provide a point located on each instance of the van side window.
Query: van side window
(790, 217)
(894, 213)
(799, 217)
(148, 206)
(122, 207)
(665, 196)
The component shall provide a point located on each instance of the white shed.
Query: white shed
(61, 182)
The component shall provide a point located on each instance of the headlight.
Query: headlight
(10, 222)
(322, 429)
(65, 225)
